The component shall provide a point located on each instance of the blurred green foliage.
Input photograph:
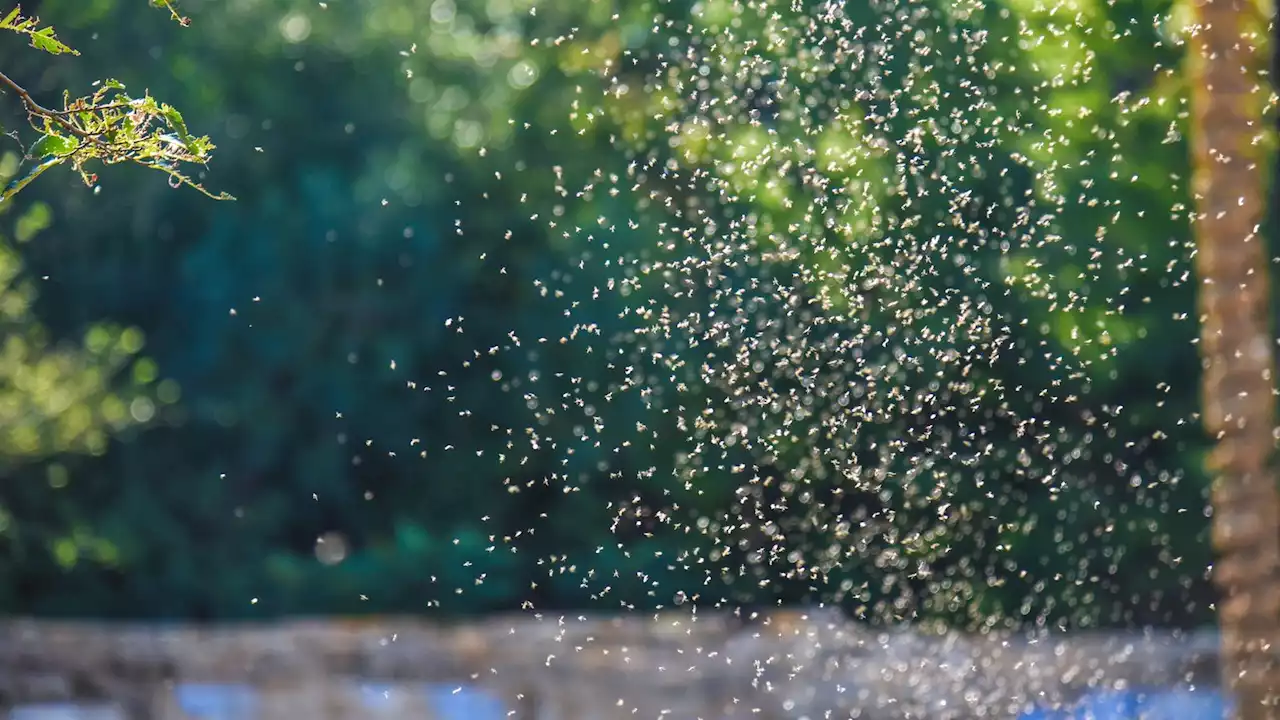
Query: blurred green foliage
(64, 397)
(388, 156)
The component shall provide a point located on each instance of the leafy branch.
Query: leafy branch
(108, 125)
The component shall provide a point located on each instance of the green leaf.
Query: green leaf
(43, 39)
(11, 19)
(175, 120)
(53, 145)
(16, 186)
(32, 222)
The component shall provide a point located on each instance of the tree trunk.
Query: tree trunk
(1236, 343)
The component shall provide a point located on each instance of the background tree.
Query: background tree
(1236, 342)
(390, 158)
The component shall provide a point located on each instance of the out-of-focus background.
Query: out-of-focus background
(198, 395)
(286, 405)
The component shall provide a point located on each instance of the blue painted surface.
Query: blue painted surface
(1106, 706)
(207, 701)
(452, 702)
(1185, 705)
(1158, 705)
(374, 695)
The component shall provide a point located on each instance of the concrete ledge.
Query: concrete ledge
(794, 664)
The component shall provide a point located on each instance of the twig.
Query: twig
(35, 108)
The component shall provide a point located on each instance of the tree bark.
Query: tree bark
(1236, 343)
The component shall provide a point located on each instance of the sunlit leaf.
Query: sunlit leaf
(53, 145)
(44, 39)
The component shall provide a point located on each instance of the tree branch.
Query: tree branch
(38, 110)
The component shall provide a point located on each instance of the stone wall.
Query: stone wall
(529, 667)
